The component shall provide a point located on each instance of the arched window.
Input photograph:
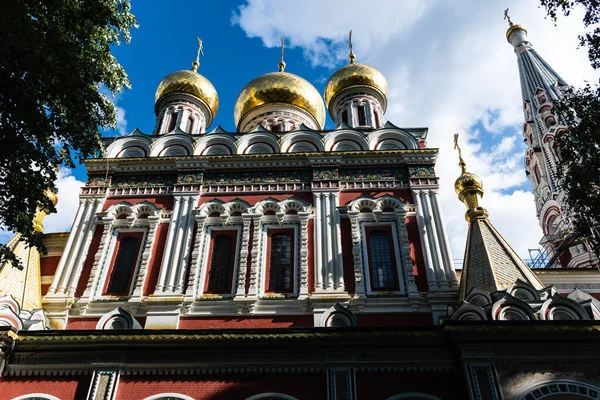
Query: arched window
(550, 121)
(280, 262)
(382, 265)
(536, 172)
(362, 115)
(221, 262)
(377, 123)
(173, 121)
(345, 116)
(189, 126)
(36, 396)
(124, 264)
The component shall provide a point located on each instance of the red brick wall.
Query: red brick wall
(48, 267)
(63, 388)
(282, 321)
(156, 258)
(252, 199)
(213, 387)
(89, 261)
(164, 202)
(382, 385)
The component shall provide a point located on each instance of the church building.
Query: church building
(284, 261)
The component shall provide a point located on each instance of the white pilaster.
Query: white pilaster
(167, 255)
(303, 287)
(327, 239)
(192, 287)
(243, 261)
(424, 236)
(337, 243)
(254, 266)
(318, 242)
(357, 252)
(444, 243)
(434, 244)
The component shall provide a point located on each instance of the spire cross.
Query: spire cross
(507, 17)
(461, 162)
(351, 56)
(196, 63)
(282, 63)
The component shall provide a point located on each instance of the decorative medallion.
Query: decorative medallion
(329, 174)
(190, 179)
(417, 172)
(373, 174)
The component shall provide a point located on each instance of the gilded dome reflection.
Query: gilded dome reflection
(280, 87)
(355, 74)
(192, 83)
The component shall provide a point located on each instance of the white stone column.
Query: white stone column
(357, 253)
(336, 242)
(70, 246)
(188, 230)
(69, 281)
(167, 254)
(444, 243)
(99, 258)
(424, 236)
(436, 254)
(243, 261)
(303, 286)
(327, 239)
(318, 242)
(255, 252)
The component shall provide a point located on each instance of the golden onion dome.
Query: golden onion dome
(280, 88)
(355, 74)
(514, 27)
(191, 83)
(467, 181)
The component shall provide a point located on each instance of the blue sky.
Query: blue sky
(448, 67)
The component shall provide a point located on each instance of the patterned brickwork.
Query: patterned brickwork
(23, 284)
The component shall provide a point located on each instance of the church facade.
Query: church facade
(285, 261)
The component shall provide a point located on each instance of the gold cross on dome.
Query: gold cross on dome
(507, 17)
(200, 51)
(282, 63)
(351, 56)
(461, 162)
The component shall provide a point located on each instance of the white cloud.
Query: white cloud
(449, 67)
(68, 202)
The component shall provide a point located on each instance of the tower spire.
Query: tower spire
(490, 263)
(281, 64)
(196, 62)
(351, 56)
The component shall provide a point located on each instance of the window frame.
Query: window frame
(233, 235)
(391, 227)
(111, 255)
(207, 251)
(173, 117)
(268, 231)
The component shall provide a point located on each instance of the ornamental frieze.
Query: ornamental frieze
(417, 172)
(143, 180)
(327, 174)
(98, 181)
(373, 174)
(190, 178)
(255, 177)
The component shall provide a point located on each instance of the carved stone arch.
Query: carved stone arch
(403, 139)
(134, 140)
(181, 140)
(145, 208)
(510, 308)
(265, 140)
(9, 312)
(117, 210)
(549, 216)
(523, 291)
(338, 316)
(557, 388)
(413, 396)
(478, 297)
(215, 144)
(469, 312)
(297, 141)
(293, 204)
(169, 396)
(266, 206)
(338, 140)
(118, 319)
(236, 206)
(559, 308)
(212, 206)
(36, 396)
(361, 203)
(271, 396)
(387, 201)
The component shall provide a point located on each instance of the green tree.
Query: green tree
(579, 145)
(54, 57)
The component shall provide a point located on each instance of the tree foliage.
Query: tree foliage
(579, 145)
(54, 57)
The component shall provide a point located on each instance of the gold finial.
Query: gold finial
(196, 62)
(507, 17)
(351, 56)
(281, 62)
(461, 162)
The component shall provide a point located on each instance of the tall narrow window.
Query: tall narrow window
(189, 125)
(362, 116)
(280, 263)
(120, 277)
(377, 124)
(345, 116)
(382, 265)
(172, 121)
(221, 263)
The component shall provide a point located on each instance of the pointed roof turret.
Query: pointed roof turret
(490, 263)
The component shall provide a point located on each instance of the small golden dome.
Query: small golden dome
(467, 181)
(513, 28)
(52, 196)
(355, 74)
(280, 87)
(192, 83)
